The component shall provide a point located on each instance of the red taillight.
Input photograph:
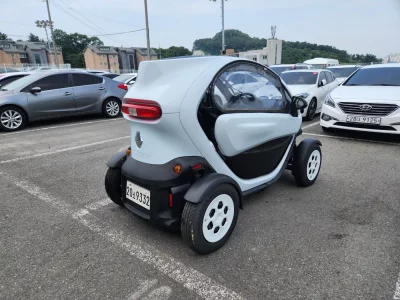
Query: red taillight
(123, 86)
(141, 109)
(170, 200)
(197, 166)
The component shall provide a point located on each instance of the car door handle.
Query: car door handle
(101, 88)
(67, 94)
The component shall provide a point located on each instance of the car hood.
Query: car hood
(301, 88)
(391, 93)
(6, 93)
(341, 79)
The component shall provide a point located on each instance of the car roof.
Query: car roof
(344, 66)
(283, 65)
(127, 74)
(307, 71)
(14, 73)
(390, 65)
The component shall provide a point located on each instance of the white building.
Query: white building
(321, 63)
(198, 53)
(270, 55)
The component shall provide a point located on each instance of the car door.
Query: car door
(54, 99)
(89, 91)
(254, 131)
(321, 89)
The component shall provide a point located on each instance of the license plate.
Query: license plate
(362, 119)
(138, 194)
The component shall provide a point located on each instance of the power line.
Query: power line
(121, 32)
(16, 23)
(105, 18)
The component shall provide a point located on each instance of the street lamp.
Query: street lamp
(44, 24)
(223, 20)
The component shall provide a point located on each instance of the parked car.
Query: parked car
(342, 72)
(313, 84)
(369, 100)
(278, 69)
(193, 158)
(110, 75)
(44, 95)
(127, 80)
(98, 72)
(8, 70)
(6, 78)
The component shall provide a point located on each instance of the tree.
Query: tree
(4, 37)
(33, 38)
(73, 46)
(173, 51)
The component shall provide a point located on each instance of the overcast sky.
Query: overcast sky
(358, 26)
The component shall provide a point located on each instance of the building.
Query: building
(127, 59)
(20, 54)
(198, 53)
(101, 58)
(392, 58)
(141, 54)
(270, 55)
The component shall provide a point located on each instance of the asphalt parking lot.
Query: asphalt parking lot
(61, 238)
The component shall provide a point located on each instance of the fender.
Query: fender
(117, 160)
(301, 149)
(207, 183)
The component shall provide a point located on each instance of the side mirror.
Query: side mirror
(298, 103)
(323, 82)
(36, 90)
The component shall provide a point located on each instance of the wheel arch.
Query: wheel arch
(207, 183)
(19, 107)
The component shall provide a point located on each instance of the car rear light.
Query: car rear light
(123, 86)
(170, 200)
(141, 109)
(197, 166)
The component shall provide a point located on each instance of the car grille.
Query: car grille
(370, 109)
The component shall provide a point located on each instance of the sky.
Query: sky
(357, 26)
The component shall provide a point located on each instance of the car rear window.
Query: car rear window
(85, 79)
(279, 70)
(388, 76)
(293, 78)
(342, 72)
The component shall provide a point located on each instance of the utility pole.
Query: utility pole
(223, 25)
(52, 34)
(44, 24)
(147, 30)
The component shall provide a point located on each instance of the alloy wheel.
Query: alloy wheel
(314, 161)
(112, 108)
(11, 119)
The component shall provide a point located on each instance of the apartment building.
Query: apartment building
(101, 58)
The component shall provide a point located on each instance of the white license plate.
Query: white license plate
(138, 194)
(362, 119)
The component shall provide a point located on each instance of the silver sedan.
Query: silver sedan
(57, 94)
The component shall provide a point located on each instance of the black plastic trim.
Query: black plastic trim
(117, 160)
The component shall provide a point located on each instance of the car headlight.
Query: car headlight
(329, 101)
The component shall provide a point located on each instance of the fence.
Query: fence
(31, 67)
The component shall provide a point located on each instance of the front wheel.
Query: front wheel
(12, 118)
(111, 108)
(206, 226)
(312, 108)
(306, 165)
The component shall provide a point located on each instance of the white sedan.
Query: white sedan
(126, 79)
(343, 72)
(368, 101)
(312, 85)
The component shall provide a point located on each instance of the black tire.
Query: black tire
(112, 184)
(311, 109)
(112, 108)
(302, 167)
(22, 118)
(193, 216)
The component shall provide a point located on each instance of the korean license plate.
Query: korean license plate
(138, 194)
(362, 119)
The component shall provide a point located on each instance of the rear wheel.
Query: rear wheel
(12, 118)
(111, 108)
(312, 108)
(207, 225)
(112, 184)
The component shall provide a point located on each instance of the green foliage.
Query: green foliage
(172, 52)
(4, 37)
(33, 38)
(73, 46)
(292, 52)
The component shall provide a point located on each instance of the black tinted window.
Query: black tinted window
(10, 79)
(328, 77)
(85, 79)
(299, 77)
(52, 82)
(342, 72)
(322, 77)
(376, 76)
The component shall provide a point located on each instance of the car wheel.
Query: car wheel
(207, 225)
(312, 108)
(111, 108)
(306, 165)
(112, 184)
(12, 118)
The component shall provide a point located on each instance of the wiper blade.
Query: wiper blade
(384, 84)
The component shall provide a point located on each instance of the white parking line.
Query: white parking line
(397, 291)
(310, 125)
(60, 126)
(99, 204)
(63, 150)
(351, 139)
(197, 282)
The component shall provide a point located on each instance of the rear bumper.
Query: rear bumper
(167, 189)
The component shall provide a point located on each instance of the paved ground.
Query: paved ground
(61, 238)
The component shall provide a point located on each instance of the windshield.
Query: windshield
(376, 76)
(279, 70)
(123, 77)
(342, 72)
(20, 83)
(293, 78)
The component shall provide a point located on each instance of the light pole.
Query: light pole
(147, 30)
(52, 34)
(44, 24)
(223, 24)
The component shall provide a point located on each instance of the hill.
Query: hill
(292, 52)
